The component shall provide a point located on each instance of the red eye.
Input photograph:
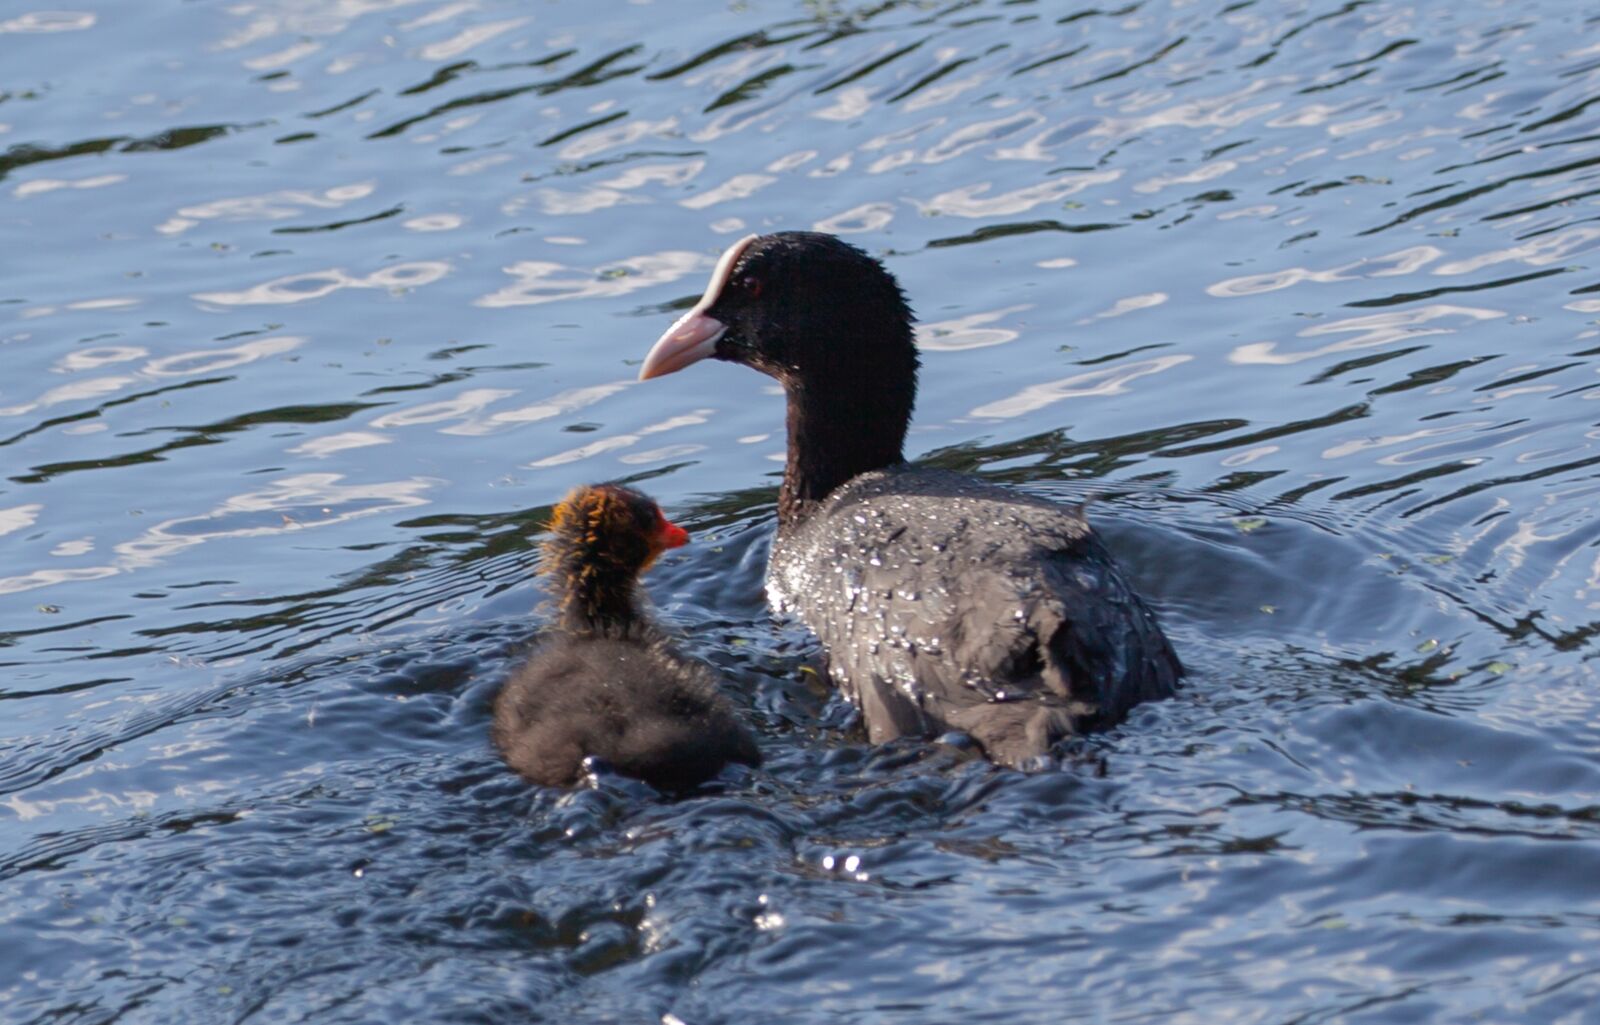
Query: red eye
(752, 285)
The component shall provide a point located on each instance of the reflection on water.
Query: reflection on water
(301, 287)
(315, 307)
(290, 504)
(1369, 331)
(1109, 381)
(543, 282)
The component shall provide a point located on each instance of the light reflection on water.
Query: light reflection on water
(312, 309)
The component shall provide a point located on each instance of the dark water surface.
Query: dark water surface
(309, 309)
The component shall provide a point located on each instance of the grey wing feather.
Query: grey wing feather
(954, 603)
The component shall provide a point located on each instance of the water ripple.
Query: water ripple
(272, 522)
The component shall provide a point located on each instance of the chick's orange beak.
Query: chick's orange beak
(671, 535)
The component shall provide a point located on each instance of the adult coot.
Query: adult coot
(943, 601)
(608, 683)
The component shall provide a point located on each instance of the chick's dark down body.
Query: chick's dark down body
(649, 712)
(607, 682)
(946, 602)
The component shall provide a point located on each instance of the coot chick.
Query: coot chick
(608, 683)
(944, 601)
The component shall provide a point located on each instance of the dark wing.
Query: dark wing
(951, 603)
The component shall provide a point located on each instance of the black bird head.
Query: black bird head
(799, 306)
(829, 323)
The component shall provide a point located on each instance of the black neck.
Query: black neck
(600, 600)
(836, 433)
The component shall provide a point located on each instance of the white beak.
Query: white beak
(694, 336)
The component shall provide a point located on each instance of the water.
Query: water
(310, 310)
